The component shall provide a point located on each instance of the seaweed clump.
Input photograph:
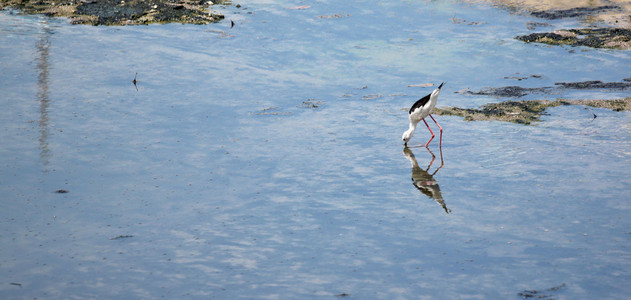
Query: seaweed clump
(611, 38)
(520, 112)
(526, 112)
(509, 91)
(595, 84)
(119, 12)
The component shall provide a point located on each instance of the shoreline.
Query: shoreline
(607, 24)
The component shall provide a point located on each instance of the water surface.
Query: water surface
(265, 161)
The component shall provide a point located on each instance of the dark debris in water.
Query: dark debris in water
(509, 91)
(311, 103)
(520, 78)
(463, 21)
(526, 112)
(334, 16)
(121, 237)
(60, 191)
(371, 96)
(120, 12)
(273, 111)
(535, 25)
(536, 294)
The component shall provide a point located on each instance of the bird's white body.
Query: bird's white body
(419, 111)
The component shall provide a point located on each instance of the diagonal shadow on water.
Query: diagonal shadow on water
(423, 180)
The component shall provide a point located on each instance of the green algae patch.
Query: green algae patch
(520, 112)
(526, 112)
(610, 38)
(615, 104)
(120, 12)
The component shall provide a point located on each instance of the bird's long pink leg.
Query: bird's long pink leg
(430, 131)
(441, 131)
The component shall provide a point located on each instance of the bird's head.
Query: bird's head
(437, 90)
(407, 136)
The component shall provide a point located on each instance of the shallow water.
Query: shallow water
(265, 161)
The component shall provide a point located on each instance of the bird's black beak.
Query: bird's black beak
(441, 85)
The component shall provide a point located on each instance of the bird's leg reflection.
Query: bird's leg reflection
(423, 180)
(442, 162)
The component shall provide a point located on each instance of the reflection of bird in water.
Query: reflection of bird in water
(423, 180)
(419, 111)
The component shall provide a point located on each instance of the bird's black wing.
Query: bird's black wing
(419, 103)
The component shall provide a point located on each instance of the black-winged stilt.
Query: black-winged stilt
(419, 111)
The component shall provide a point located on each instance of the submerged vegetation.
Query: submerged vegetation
(120, 12)
(612, 38)
(526, 112)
